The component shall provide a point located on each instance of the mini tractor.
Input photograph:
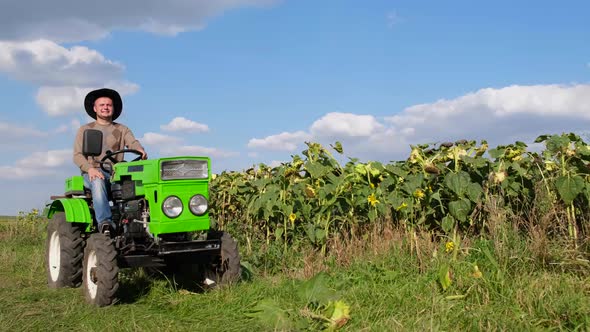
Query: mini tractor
(160, 209)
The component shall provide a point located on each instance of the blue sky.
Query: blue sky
(249, 81)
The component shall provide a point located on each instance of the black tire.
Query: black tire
(64, 253)
(225, 268)
(101, 272)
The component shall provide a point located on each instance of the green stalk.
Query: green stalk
(285, 234)
(570, 213)
(285, 218)
(545, 182)
(456, 242)
(248, 234)
(326, 228)
(572, 230)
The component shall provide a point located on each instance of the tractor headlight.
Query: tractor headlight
(198, 205)
(172, 206)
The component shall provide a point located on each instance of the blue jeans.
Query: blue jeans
(100, 198)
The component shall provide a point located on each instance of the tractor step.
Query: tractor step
(169, 250)
(173, 248)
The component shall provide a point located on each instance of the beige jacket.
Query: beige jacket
(115, 137)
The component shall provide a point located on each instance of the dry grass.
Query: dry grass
(542, 234)
(378, 240)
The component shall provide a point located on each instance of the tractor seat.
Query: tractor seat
(74, 194)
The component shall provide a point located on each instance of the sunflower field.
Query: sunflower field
(444, 188)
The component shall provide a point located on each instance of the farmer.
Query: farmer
(105, 106)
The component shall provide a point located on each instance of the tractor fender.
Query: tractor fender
(75, 209)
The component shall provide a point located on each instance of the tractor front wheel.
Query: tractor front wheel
(65, 251)
(101, 271)
(225, 267)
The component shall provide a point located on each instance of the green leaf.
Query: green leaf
(573, 137)
(335, 180)
(477, 162)
(372, 215)
(496, 153)
(448, 224)
(582, 149)
(519, 169)
(412, 182)
(587, 191)
(474, 190)
(360, 169)
(556, 143)
(541, 138)
(460, 209)
(396, 170)
(287, 209)
(316, 290)
(337, 147)
(338, 313)
(279, 233)
(394, 200)
(436, 196)
(569, 187)
(458, 182)
(316, 170)
(444, 276)
(271, 315)
(310, 231)
(320, 235)
(373, 168)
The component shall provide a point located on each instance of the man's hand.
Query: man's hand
(95, 173)
(143, 154)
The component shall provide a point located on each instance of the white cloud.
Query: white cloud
(183, 124)
(66, 100)
(498, 115)
(194, 150)
(282, 142)
(345, 125)
(51, 159)
(64, 75)
(44, 62)
(72, 127)
(30, 38)
(9, 132)
(37, 164)
(158, 139)
(73, 21)
(544, 100)
(513, 111)
(17, 173)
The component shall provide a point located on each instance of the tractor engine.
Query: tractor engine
(130, 212)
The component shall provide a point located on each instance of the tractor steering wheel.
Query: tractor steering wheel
(109, 155)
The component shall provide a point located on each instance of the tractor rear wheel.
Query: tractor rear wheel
(225, 267)
(65, 251)
(101, 271)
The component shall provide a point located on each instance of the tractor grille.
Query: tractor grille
(184, 169)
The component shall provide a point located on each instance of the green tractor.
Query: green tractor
(160, 209)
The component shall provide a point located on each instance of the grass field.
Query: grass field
(394, 284)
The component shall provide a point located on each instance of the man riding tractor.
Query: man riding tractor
(154, 213)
